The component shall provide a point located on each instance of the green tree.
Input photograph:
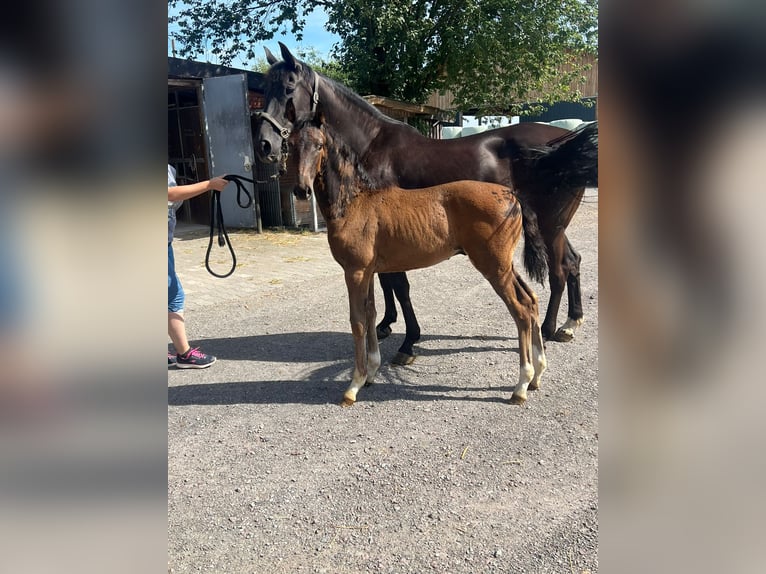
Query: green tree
(492, 54)
(330, 68)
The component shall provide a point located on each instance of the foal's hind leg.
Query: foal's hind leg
(521, 302)
(525, 312)
(383, 329)
(539, 361)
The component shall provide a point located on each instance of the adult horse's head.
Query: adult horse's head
(291, 95)
(309, 143)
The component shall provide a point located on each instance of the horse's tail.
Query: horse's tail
(535, 253)
(568, 162)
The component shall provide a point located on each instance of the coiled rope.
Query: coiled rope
(216, 221)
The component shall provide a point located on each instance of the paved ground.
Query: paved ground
(431, 471)
(267, 263)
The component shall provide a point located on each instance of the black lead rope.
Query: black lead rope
(216, 220)
(216, 213)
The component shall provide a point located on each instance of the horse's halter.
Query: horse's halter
(283, 131)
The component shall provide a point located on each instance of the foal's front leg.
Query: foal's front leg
(373, 349)
(359, 285)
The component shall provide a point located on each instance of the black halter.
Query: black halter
(284, 132)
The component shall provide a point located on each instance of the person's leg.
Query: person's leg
(186, 357)
(176, 299)
(177, 332)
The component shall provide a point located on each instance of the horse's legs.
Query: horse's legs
(539, 361)
(358, 284)
(574, 293)
(383, 329)
(521, 302)
(373, 350)
(557, 279)
(554, 216)
(405, 354)
(523, 307)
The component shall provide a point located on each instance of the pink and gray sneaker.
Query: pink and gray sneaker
(194, 359)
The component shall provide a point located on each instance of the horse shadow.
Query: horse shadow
(468, 348)
(315, 390)
(325, 383)
(320, 346)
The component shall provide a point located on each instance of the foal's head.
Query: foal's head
(326, 167)
(309, 144)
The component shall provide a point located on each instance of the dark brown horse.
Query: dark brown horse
(393, 153)
(393, 230)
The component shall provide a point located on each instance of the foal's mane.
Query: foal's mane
(342, 174)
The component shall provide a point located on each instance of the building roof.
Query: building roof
(186, 70)
(181, 69)
(405, 110)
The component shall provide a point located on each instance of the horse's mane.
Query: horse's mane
(352, 99)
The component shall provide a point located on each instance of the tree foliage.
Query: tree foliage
(330, 68)
(492, 54)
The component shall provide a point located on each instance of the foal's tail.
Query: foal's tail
(535, 253)
(568, 162)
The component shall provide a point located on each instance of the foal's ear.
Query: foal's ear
(289, 59)
(270, 58)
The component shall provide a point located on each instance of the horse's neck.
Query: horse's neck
(382, 145)
(349, 116)
(324, 201)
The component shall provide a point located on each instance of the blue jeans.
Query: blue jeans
(176, 295)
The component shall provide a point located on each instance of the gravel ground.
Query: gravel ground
(431, 471)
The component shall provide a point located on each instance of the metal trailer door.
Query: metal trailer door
(230, 144)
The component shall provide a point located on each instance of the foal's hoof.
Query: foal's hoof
(383, 332)
(518, 399)
(347, 402)
(402, 359)
(563, 336)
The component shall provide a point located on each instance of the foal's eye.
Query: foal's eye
(318, 146)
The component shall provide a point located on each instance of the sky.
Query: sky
(314, 36)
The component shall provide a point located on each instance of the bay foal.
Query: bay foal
(391, 229)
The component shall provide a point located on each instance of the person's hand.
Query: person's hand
(217, 183)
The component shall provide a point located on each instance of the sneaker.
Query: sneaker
(194, 359)
(171, 359)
